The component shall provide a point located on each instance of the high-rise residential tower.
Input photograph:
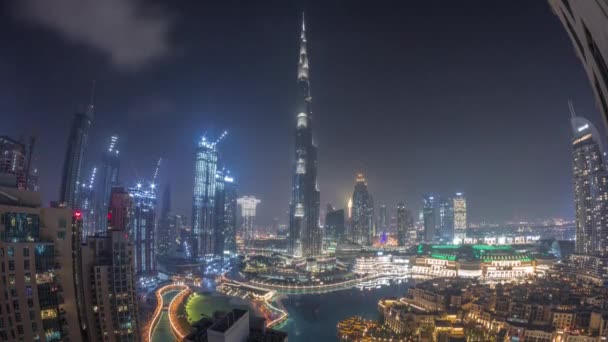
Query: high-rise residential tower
(362, 213)
(429, 214)
(248, 206)
(587, 25)
(167, 235)
(219, 226)
(40, 269)
(383, 220)
(110, 301)
(446, 219)
(335, 228)
(460, 217)
(88, 206)
(230, 213)
(72, 165)
(12, 161)
(304, 230)
(109, 179)
(203, 199)
(404, 224)
(590, 188)
(142, 227)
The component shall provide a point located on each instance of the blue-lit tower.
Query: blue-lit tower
(304, 230)
(204, 197)
(142, 226)
(230, 213)
(109, 179)
(72, 165)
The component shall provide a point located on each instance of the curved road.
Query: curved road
(162, 332)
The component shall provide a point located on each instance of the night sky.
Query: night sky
(423, 97)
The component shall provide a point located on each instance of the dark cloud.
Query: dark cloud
(121, 29)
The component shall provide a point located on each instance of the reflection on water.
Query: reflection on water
(314, 317)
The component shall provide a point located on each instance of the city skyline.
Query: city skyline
(415, 172)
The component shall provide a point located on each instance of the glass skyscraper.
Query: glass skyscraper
(77, 142)
(460, 217)
(446, 219)
(230, 213)
(590, 188)
(204, 197)
(429, 214)
(109, 178)
(362, 213)
(304, 230)
(142, 228)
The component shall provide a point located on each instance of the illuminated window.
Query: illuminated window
(49, 313)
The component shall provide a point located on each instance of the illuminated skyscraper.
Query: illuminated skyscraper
(430, 216)
(590, 188)
(167, 235)
(334, 226)
(248, 205)
(362, 213)
(460, 218)
(12, 160)
(219, 226)
(203, 199)
(109, 178)
(41, 284)
(88, 206)
(304, 231)
(405, 224)
(383, 221)
(142, 226)
(230, 213)
(587, 25)
(72, 166)
(446, 219)
(110, 301)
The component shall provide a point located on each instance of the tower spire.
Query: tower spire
(91, 108)
(303, 61)
(572, 111)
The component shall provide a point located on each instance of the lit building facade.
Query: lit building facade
(460, 217)
(166, 237)
(219, 233)
(304, 208)
(335, 228)
(429, 214)
(403, 224)
(383, 221)
(590, 190)
(88, 206)
(362, 213)
(12, 160)
(40, 266)
(587, 25)
(204, 197)
(109, 286)
(109, 179)
(446, 219)
(142, 227)
(248, 206)
(230, 213)
(72, 166)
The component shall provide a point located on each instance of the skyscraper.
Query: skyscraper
(41, 269)
(12, 160)
(429, 213)
(335, 228)
(587, 25)
(166, 234)
(142, 226)
(446, 219)
(110, 301)
(402, 224)
(383, 221)
(219, 225)
(460, 217)
(203, 199)
(72, 166)
(88, 206)
(304, 231)
(362, 213)
(230, 213)
(248, 206)
(590, 188)
(109, 178)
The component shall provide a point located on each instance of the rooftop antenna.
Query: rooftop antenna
(572, 111)
(156, 171)
(91, 108)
